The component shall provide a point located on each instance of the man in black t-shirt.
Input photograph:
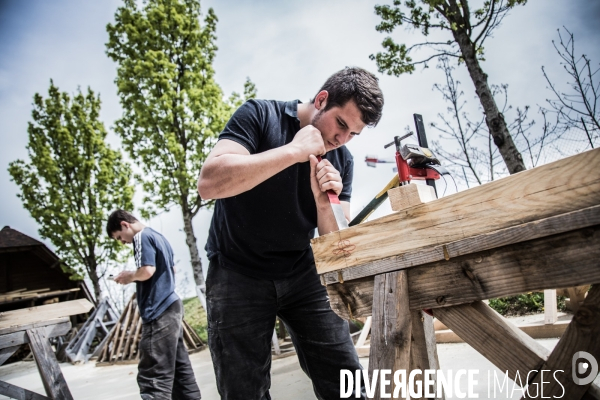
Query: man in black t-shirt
(271, 196)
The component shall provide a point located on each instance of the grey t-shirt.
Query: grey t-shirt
(156, 294)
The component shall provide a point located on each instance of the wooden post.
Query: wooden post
(52, 377)
(550, 311)
(391, 327)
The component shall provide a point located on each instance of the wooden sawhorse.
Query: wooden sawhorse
(36, 325)
(535, 230)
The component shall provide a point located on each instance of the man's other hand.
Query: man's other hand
(323, 177)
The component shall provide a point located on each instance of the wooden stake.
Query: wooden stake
(52, 377)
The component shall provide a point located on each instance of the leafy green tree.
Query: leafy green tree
(72, 180)
(467, 29)
(173, 110)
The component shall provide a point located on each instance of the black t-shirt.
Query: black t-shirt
(266, 231)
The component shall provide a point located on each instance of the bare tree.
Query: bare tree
(577, 108)
(475, 152)
(466, 143)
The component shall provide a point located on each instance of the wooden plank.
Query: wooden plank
(535, 331)
(6, 352)
(40, 324)
(532, 230)
(136, 342)
(391, 326)
(35, 295)
(60, 327)
(106, 351)
(30, 315)
(538, 193)
(118, 349)
(568, 259)
(15, 392)
(52, 377)
(502, 343)
(134, 323)
(581, 336)
(550, 307)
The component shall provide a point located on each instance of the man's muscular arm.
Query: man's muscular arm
(230, 169)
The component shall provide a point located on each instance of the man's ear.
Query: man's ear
(321, 99)
(124, 224)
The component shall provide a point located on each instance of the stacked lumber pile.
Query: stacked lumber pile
(24, 294)
(121, 344)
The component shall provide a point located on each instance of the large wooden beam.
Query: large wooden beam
(568, 259)
(555, 225)
(539, 193)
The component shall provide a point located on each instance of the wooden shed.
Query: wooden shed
(31, 275)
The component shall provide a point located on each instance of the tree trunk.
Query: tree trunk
(493, 117)
(190, 239)
(93, 274)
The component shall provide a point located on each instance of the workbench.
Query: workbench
(535, 230)
(36, 325)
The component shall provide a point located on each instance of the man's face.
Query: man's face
(125, 235)
(338, 125)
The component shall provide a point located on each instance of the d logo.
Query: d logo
(588, 367)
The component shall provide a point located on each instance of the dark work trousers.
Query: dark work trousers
(164, 371)
(241, 319)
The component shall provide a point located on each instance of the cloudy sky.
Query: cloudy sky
(287, 49)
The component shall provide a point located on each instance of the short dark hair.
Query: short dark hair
(114, 221)
(353, 83)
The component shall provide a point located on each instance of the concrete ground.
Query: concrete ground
(288, 381)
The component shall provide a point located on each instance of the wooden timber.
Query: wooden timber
(43, 313)
(568, 259)
(15, 392)
(505, 345)
(52, 377)
(552, 189)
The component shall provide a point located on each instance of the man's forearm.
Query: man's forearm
(143, 274)
(228, 175)
(326, 222)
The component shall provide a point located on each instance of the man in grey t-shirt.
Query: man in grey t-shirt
(164, 370)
